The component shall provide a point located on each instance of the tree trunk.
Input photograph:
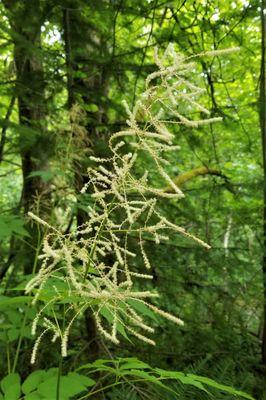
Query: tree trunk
(86, 85)
(262, 112)
(26, 19)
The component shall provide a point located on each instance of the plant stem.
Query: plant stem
(59, 377)
(8, 358)
(20, 340)
(60, 365)
(28, 305)
(99, 232)
(120, 383)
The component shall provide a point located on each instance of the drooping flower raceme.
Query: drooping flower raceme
(92, 266)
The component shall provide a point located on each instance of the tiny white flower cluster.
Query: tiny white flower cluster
(91, 267)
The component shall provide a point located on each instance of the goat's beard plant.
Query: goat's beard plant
(74, 269)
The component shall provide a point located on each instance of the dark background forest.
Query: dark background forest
(65, 68)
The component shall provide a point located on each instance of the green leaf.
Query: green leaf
(10, 386)
(45, 176)
(100, 365)
(3, 337)
(51, 373)
(33, 380)
(33, 396)
(105, 312)
(48, 388)
(26, 332)
(141, 374)
(145, 376)
(13, 334)
(91, 107)
(180, 376)
(5, 230)
(14, 316)
(10, 301)
(24, 281)
(133, 363)
(86, 366)
(6, 326)
(219, 386)
(17, 227)
(69, 387)
(142, 308)
(10, 224)
(84, 380)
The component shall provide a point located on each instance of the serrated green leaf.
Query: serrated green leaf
(133, 363)
(147, 377)
(10, 301)
(100, 365)
(142, 308)
(10, 224)
(219, 386)
(141, 374)
(23, 283)
(105, 312)
(5, 230)
(180, 376)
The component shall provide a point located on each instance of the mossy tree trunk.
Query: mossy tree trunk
(87, 85)
(26, 19)
(262, 111)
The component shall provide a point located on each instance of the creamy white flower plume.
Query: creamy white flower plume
(91, 267)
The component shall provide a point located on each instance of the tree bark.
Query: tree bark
(26, 19)
(262, 113)
(86, 85)
(31, 101)
(180, 180)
